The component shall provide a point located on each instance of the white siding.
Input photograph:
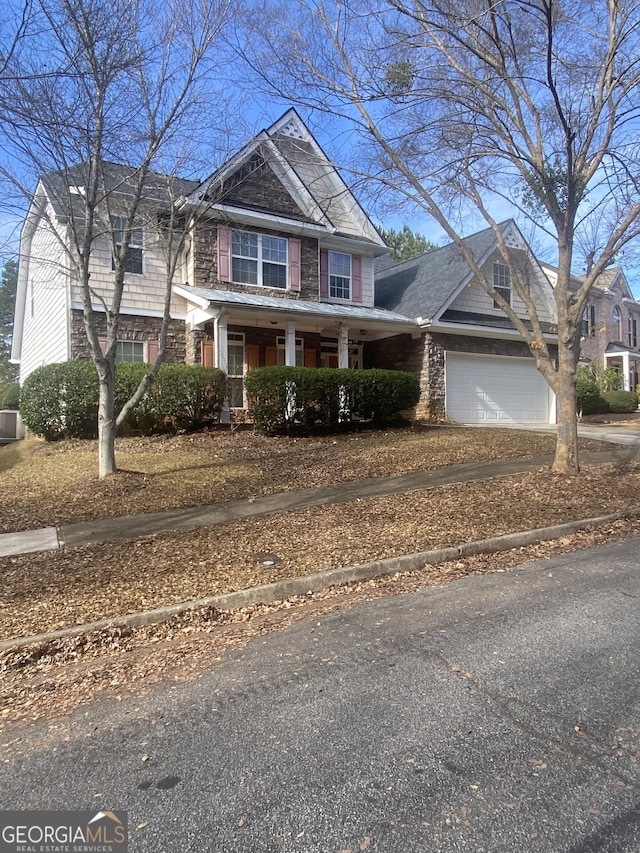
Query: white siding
(46, 332)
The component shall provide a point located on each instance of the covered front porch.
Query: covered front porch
(238, 332)
(626, 362)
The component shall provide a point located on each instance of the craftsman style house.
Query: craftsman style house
(279, 267)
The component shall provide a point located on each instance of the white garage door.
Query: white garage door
(495, 389)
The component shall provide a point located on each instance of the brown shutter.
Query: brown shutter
(224, 253)
(207, 354)
(153, 348)
(324, 273)
(356, 278)
(295, 250)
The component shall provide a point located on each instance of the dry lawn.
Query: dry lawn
(50, 590)
(41, 484)
(45, 484)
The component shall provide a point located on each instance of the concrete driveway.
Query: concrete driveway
(499, 713)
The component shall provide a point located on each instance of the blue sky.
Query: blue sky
(337, 139)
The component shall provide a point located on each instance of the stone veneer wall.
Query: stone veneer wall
(131, 328)
(425, 357)
(206, 265)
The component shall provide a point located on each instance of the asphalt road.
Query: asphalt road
(498, 713)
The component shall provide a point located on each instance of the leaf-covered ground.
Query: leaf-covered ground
(40, 592)
(45, 484)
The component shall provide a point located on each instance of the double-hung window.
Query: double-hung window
(633, 332)
(339, 275)
(617, 324)
(258, 259)
(133, 254)
(502, 282)
(589, 321)
(130, 351)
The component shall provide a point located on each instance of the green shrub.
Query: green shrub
(61, 400)
(182, 397)
(609, 379)
(622, 401)
(9, 395)
(281, 398)
(589, 399)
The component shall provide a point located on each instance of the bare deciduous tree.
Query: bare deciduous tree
(463, 105)
(92, 85)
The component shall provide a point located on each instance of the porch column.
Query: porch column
(626, 369)
(290, 345)
(343, 346)
(221, 344)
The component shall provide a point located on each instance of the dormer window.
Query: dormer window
(502, 282)
(258, 259)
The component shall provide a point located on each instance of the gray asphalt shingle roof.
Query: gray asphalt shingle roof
(422, 286)
(119, 180)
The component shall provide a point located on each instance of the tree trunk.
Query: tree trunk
(566, 455)
(106, 424)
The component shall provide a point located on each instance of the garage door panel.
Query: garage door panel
(495, 389)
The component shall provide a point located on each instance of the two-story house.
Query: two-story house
(278, 267)
(610, 325)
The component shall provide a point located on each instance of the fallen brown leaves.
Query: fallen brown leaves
(54, 589)
(49, 484)
(50, 680)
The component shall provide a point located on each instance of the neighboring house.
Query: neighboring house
(473, 365)
(611, 325)
(278, 269)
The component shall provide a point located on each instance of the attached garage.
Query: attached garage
(495, 389)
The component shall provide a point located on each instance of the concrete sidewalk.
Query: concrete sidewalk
(132, 527)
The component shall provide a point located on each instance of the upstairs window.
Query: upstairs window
(339, 275)
(633, 333)
(589, 322)
(617, 324)
(133, 255)
(502, 282)
(258, 259)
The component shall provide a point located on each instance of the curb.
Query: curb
(283, 589)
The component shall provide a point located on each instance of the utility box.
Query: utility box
(11, 428)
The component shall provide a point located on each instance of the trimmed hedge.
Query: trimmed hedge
(282, 398)
(622, 401)
(61, 400)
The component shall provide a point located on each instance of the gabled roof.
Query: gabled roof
(298, 161)
(424, 286)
